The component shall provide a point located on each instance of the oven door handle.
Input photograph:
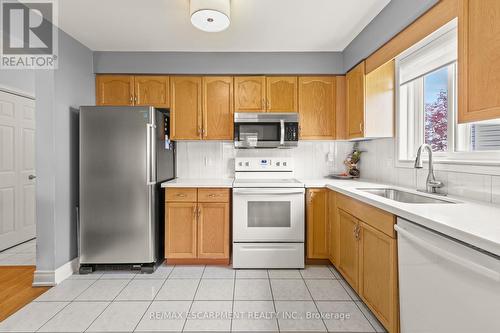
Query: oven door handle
(282, 132)
(278, 191)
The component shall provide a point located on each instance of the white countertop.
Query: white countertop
(193, 182)
(471, 222)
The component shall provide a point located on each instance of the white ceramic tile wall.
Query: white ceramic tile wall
(377, 164)
(214, 159)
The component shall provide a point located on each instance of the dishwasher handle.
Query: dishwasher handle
(494, 275)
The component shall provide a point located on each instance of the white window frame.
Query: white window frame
(473, 161)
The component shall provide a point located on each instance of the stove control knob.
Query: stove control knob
(277, 163)
(284, 163)
(240, 163)
(247, 164)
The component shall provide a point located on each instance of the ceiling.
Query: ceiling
(256, 25)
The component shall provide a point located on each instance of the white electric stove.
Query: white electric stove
(268, 214)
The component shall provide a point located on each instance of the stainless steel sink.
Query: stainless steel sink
(403, 196)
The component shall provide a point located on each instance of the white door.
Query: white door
(17, 169)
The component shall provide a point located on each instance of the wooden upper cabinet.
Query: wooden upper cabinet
(317, 107)
(152, 90)
(249, 94)
(348, 258)
(379, 108)
(317, 224)
(185, 93)
(213, 230)
(114, 90)
(218, 108)
(340, 109)
(180, 230)
(478, 60)
(378, 284)
(281, 94)
(355, 102)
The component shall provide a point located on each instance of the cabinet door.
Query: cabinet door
(152, 90)
(379, 108)
(281, 93)
(249, 94)
(213, 230)
(180, 229)
(114, 90)
(317, 107)
(185, 92)
(334, 230)
(317, 224)
(378, 275)
(478, 60)
(218, 108)
(355, 101)
(348, 245)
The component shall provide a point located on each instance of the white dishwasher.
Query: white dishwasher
(445, 286)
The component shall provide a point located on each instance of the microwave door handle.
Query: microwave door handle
(282, 132)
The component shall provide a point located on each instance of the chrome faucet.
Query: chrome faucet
(431, 183)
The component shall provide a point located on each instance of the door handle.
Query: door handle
(282, 132)
(31, 177)
(150, 147)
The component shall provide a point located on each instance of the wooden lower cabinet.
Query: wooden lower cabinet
(213, 230)
(363, 247)
(348, 261)
(334, 228)
(197, 225)
(317, 224)
(180, 229)
(378, 274)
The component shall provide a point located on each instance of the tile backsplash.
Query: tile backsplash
(377, 164)
(215, 159)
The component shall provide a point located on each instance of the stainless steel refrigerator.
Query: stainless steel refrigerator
(125, 154)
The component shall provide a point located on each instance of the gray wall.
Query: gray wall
(21, 81)
(396, 16)
(60, 93)
(219, 62)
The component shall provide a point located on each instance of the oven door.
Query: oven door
(268, 214)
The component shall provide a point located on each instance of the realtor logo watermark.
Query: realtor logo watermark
(29, 34)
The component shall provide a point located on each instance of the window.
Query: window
(427, 107)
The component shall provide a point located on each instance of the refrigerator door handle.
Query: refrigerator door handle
(150, 151)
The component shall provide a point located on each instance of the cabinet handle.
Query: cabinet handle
(181, 195)
(212, 195)
(204, 131)
(135, 99)
(199, 212)
(195, 210)
(131, 99)
(268, 105)
(263, 105)
(361, 127)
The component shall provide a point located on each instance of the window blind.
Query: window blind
(437, 53)
(485, 137)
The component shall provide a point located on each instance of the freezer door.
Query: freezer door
(116, 202)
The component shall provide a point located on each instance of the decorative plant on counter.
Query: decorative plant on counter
(352, 160)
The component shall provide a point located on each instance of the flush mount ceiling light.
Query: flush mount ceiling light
(210, 15)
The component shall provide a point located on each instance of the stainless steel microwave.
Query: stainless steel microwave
(266, 130)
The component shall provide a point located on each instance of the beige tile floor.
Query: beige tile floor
(198, 298)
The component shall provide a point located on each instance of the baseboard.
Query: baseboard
(51, 278)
